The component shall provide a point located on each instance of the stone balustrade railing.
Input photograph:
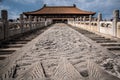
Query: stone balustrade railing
(111, 28)
(11, 29)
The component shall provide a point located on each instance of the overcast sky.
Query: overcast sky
(16, 7)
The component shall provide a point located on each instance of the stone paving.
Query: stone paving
(83, 55)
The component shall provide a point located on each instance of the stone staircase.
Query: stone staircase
(64, 66)
(8, 47)
(108, 43)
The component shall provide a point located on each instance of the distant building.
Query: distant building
(59, 13)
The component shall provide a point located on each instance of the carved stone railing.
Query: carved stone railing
(106, 27)
(11, 29)
(14, 28)
(111, 28)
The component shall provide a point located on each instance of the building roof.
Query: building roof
(59, 10)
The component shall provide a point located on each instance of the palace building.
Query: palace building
(59, 13)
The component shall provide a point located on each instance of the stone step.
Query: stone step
(91, 34)
(2, 58)
(8, 49)
(28, 38)
(113, 48)
(106, 41)
(11, 45)
(110, 44)
(93, 37)
(88, 33)
(6, 53)
(19, 42)
(97, 38)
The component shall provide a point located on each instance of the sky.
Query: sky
(16, 7)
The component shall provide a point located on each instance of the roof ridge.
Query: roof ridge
(59, 6)
(45, 5)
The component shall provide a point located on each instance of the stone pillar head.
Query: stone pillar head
(4, 15)
(99, 17)
(35, 18)
(30, 18)
(84, 18)
(39, 18)
(116, 14)
(116, 18)
(21, 16)
(90, 17)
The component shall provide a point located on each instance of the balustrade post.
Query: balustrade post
(4, 17)
(80, 20)
(98, 21)
(99, 16)
(35, 20)
(46, 22)
(30, 23)
(21, 23)
(39, 22)
(74, 21)
(39, 19)
(77, 20)
(90, 19)
(84, 18)
(115, 20)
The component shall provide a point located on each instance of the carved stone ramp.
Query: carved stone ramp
(97, 73)
(36, 72)
(66, 71)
